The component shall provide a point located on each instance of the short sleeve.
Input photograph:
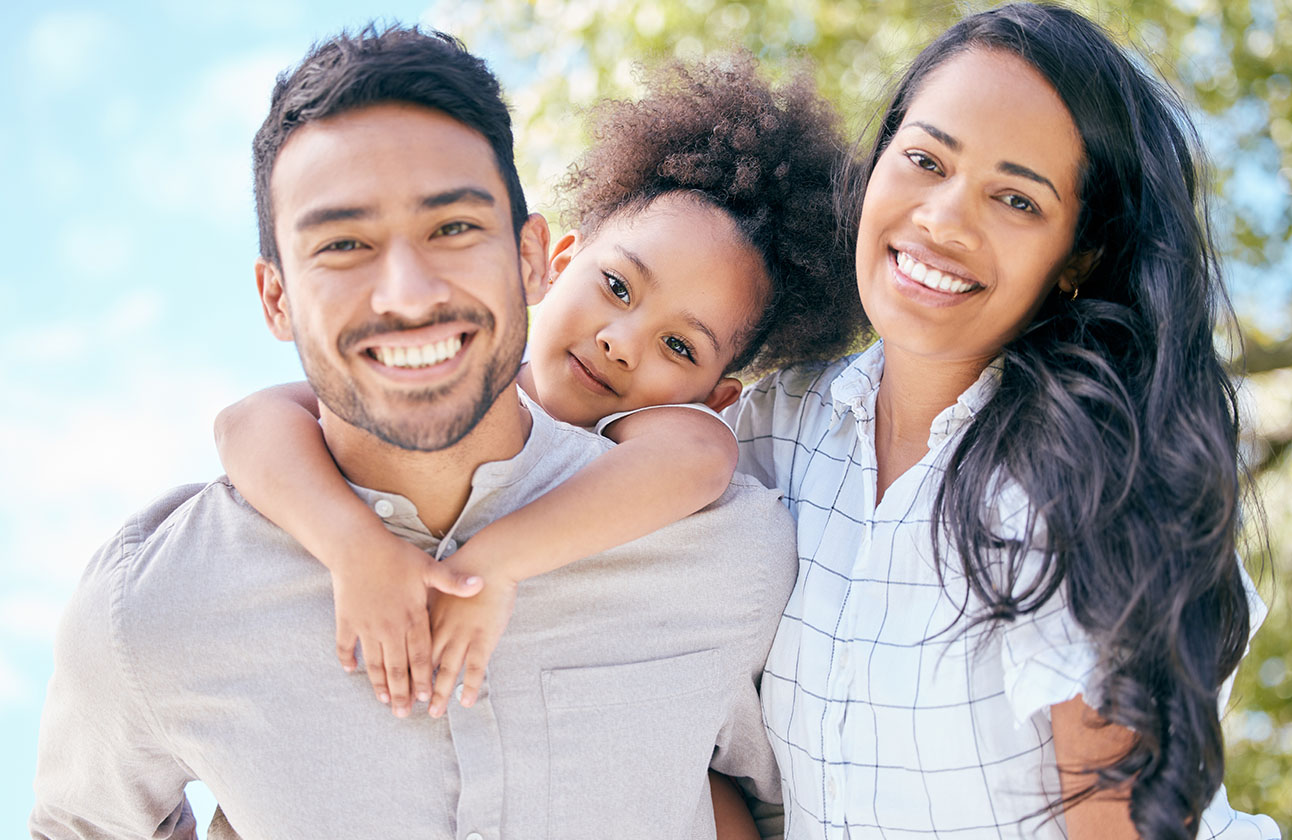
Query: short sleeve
(619, 415)
(1046, 655)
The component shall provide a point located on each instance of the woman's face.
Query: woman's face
(969, 217)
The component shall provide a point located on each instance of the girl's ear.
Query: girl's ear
(1079, 267)
(564, 250)
(724, 393)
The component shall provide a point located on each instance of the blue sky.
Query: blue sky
(128, 313)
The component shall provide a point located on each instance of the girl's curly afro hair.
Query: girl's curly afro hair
(767, 156)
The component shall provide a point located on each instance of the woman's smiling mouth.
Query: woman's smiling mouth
(930, 277)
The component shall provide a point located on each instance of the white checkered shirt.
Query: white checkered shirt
(888, 720)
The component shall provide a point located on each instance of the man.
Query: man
(198, 645)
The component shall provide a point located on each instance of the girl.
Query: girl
(704, 247)
(1018, 598)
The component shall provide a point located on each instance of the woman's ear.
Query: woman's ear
(724, 393)
(1079, 267)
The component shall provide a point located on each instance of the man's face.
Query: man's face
(401, 283)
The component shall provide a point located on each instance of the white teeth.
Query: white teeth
(930, 277)
(423, 356)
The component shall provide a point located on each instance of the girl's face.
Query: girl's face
(649, 311)
(970, 215)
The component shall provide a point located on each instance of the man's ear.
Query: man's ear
(273, 299)
(535, 237)
(1079, 267)
(724, 393)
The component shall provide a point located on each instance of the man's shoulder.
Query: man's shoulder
(159, 550)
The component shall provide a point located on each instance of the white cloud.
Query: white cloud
(197, 156)
(30, 615)
(64, 48)
(96, 248)
(78, 462)
(15, 689)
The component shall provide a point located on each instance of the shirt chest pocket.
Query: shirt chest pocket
(630, 745)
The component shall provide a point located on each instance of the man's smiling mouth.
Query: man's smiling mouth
(418, 356)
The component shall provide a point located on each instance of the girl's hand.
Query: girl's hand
(465, 631)
(381, 600)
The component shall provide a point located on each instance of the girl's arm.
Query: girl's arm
(273, 450)
(1083, 740)
(670, 463)
(731, 815)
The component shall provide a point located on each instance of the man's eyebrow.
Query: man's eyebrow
(462, 195)
(1023, 172)
(325, 215)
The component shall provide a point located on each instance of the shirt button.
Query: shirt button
(843, 658)
(475, 835)
(830, 788)
(384, 508)
(450, 545)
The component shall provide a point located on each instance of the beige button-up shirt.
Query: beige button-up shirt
(199, 645)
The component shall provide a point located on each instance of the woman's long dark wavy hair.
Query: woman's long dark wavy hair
(1116, 417)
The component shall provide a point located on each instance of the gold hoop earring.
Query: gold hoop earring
(1075, 289)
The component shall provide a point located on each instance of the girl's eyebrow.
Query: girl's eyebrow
(649, 277)
(1008, 167)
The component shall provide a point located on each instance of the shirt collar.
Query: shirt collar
(854, 390)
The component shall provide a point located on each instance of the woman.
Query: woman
(1017, 512)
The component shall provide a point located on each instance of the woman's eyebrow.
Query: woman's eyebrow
(1008, 167)
(1022, 171)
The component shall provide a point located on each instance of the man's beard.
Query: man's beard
(413, 430)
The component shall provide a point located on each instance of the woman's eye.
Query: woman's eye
(1018, 202)
(617, 287)
(679, 347)
(924, 162)
(341, 245)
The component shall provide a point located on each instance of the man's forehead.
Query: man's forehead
(382, 154)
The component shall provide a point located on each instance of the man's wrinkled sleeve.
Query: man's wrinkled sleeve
(103, 769)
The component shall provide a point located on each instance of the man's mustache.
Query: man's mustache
(393, 323)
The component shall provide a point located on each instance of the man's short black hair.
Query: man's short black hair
(397, 65)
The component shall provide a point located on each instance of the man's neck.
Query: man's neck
(438, 483)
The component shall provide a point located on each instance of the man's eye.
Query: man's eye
(1018, 202)
(923, 161)
(617, 287)
(679, 347)
(342, 245)
(455, 228)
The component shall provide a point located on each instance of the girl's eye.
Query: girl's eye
(341, 245)
(924, 162)
(617, 287)
(1018, 202)
(679, 347)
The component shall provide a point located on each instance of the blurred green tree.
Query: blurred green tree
(1231, 61)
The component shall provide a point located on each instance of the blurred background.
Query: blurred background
(128, 313)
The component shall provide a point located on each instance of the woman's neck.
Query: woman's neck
(913, 391)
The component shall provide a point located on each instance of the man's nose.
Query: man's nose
(408, 283)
